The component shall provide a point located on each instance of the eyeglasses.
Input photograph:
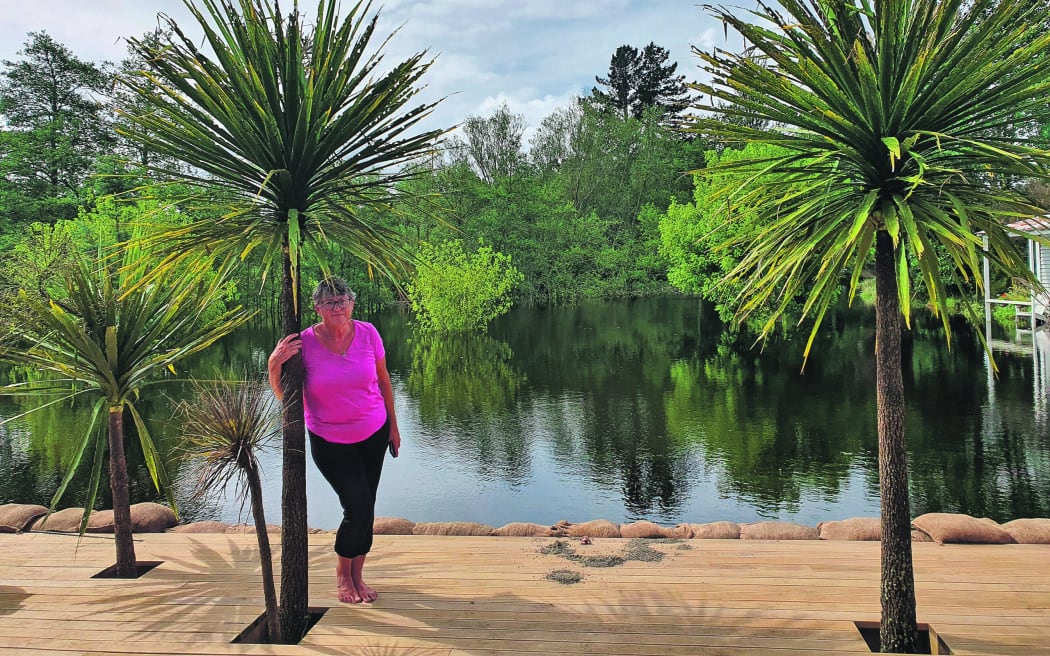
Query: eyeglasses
(331, 305)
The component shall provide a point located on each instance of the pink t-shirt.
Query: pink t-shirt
(341, 396)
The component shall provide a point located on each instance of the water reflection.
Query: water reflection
(646, 409)
(464, 386)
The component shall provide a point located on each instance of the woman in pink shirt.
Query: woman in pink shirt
(348, 404)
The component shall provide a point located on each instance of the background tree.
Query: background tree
(891, 112)
(54, 127)
(641, 79)
(658, 86)
(134, 155)
(620, 94)
(491, 146)
(299, 132)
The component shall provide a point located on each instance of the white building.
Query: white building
(1032, 314)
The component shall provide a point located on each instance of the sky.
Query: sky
(534, 55)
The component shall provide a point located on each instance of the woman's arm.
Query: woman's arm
(387, 390)
(283, 352)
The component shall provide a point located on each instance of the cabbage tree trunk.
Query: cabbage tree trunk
(293, 612)
(899, 629)
(118, 486)
(265, 555)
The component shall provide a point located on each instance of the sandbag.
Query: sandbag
(716, 531)
(778, 531)
(948, 528)
(68, 521)
(523, 530)
(855, 528)
(151, 518)
(17, 517)
(643, 529)
(392, 526)
(680, 532)
(596, 528)
(1029, 530)
(451, 528)
(919, 536)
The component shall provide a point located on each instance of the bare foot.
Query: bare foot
(348, 594)
(368, 595)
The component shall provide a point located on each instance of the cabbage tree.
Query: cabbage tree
(226, 425)
(110, 338)
(297, 130)
(905, 123)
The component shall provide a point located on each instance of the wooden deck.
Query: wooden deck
(446, 596)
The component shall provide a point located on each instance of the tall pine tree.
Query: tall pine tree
(639, 79)
(53, 129)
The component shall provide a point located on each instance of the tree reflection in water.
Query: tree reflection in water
(651, 409)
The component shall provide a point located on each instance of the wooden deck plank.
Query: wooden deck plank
(442, 596)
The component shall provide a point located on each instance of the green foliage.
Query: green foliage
(1006, 315)
(491, 146)
(910, 164)
(580, 219)
(639, 80)
(305, 133)
(109, 338)
(456, 291)
(704, 241)
(38, 261)
(53, 127)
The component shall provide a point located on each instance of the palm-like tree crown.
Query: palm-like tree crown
(296, 123)
(226, 425)
(111, 338)
(894, 114)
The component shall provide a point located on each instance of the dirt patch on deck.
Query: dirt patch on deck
(639, 549)
(564, 576)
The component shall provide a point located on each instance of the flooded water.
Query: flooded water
(643, 409)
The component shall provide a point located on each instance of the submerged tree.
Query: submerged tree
(302, 133)
(456, 291)
(891, 112)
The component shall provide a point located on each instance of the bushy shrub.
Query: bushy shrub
(455, 291)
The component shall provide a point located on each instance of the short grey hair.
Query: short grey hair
(330, 287)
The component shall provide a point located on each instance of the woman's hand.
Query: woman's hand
(395, 439)
(284, 351)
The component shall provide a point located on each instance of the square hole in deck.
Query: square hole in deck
(258, 633)
(141, 567)
(929, 641)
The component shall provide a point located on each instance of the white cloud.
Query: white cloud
(708, 39)
(534, 54)
(534, 108)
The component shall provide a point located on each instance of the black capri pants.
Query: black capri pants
(353, 471)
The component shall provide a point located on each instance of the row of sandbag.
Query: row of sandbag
(931, 527)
